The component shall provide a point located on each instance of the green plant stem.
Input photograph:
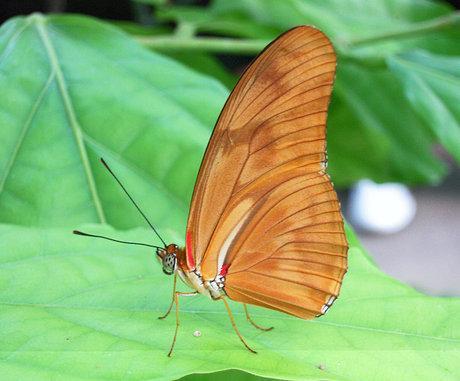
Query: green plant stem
(412, 31)
(250, 46)
(206, 44)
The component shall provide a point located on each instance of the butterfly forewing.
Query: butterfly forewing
(263, 207)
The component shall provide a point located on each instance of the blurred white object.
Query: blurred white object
(381, 208)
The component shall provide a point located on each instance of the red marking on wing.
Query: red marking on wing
(188, 251)
(224, 269)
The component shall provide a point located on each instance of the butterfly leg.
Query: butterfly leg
(176, 301)
(252, 322)
(232, 320)
(172, 299)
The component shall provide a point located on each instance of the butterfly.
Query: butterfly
(265, 226)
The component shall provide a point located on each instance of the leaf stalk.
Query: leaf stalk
(184, 40)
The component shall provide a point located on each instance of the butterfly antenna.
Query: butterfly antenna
(134, 202)
(78, 232)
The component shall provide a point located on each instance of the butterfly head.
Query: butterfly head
(168, 258)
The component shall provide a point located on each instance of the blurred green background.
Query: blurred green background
(385, 126)
(143, 89)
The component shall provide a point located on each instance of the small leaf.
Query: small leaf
(372, 130)
(432, 85)
(230, 23)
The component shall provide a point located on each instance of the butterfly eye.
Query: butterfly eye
(169, 264)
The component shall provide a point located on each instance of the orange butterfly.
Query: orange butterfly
(265, 226)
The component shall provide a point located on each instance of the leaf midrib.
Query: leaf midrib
(68, 106)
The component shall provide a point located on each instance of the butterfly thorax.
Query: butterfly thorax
(193, 278)
(173, 259)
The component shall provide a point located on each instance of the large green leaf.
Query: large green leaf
(76, 308)
(75, 89)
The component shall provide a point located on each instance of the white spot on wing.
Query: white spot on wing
(329, 302)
